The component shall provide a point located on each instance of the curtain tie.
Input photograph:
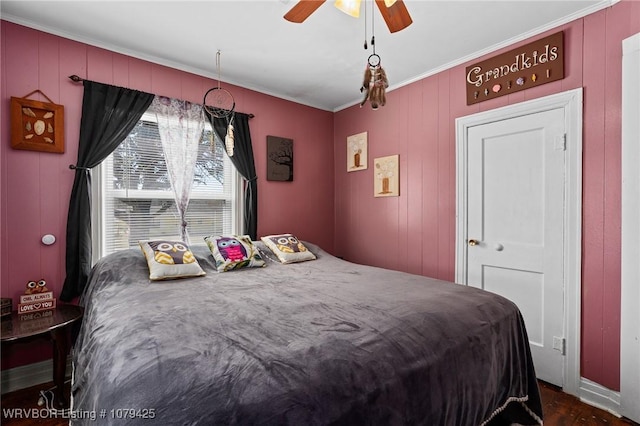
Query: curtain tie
(74, 167)
(253, 179)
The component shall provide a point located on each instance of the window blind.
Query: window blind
(137, 202)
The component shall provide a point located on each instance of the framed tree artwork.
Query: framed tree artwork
(386, 176)
(279, 159)
(37, 126)
(357, 152)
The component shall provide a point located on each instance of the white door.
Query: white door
(630, 292)
(515, 225)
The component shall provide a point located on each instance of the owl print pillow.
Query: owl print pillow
(288, 248)
(234, 252)
(170, 260)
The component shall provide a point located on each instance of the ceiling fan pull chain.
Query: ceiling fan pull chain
(373, 31)
(218, 66)
(365, 27)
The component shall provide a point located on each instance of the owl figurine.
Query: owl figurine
(289, 244)
(231, 249)
(35, 287)
(171, 253)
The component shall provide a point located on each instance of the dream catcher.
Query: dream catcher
(219, 103)
(374, 83)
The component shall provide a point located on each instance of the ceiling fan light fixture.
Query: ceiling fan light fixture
(394, 12)
(350, 7)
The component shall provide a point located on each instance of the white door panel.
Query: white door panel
(527, 295)
(515, 212)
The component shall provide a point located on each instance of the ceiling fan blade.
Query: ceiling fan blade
(396, 16)
(302, 10)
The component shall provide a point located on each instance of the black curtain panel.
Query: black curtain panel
(109, 113)
(242, 159)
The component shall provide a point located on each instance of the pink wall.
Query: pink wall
(35, 187)
(416, 231)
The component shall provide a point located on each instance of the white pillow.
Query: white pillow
(170, 260)
(288, 248)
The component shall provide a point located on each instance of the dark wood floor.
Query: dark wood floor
(560, 409)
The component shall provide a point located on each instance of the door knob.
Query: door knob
(473, 242)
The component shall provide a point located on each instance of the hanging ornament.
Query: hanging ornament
(218, 102)
(375, 81)
(229, 139)
(374, 84)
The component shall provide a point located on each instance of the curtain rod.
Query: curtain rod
(79, 79)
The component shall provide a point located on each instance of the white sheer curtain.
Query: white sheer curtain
(180, 124)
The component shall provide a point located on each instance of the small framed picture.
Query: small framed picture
(279, 159)
(37, 126)
(386, 176)
(357, 152)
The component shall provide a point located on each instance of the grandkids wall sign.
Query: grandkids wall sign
(531, 65)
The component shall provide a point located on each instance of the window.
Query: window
(133, 199)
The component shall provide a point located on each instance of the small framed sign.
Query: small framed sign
(357, 152)
(37, 126)
(533, 64)
(386, 179)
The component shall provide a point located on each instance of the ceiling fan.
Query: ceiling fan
(394, 12)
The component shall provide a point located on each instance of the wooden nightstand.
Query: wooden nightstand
(54, 323)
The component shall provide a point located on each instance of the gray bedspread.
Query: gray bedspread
(323, 342)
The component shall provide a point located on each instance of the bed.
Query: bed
(321, 342)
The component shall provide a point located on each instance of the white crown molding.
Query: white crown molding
(145, 57)
(506, 43)
(209, 74)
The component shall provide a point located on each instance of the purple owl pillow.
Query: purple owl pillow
(234, 252)
(288, 248)
(170, 260)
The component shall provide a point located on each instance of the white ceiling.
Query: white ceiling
(320, 62)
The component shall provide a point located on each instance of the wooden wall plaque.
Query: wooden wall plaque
(531, 65)
(37, 126)
(279, 159)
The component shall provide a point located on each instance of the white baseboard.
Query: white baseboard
(597, 395)
(29, 375)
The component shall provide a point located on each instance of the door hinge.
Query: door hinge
(560, 142)
(560, 344)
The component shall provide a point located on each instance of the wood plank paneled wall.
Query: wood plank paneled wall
(35, 187)
(416, 231)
